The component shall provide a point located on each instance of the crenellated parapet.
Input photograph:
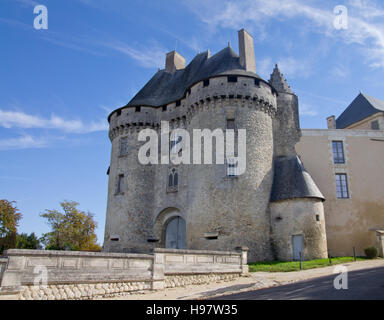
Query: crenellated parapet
(218, 92)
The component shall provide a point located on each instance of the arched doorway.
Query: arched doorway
(175, 234)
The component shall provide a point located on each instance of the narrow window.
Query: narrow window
(137, 109)
(178, 103)
(232, 167)
(173, 180)
(206, 83)
(338, 152)
(317, 217)
(257, 82)
(232, 79)
(231, 124)
(123, 146)
(118, 113)
(342, 186)
(120, 184)
(375, 125)
(164, 108)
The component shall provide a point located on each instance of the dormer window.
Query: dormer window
(375, 125)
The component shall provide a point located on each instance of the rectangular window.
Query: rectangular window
(232, 79)
(342, 186)
(206, 83)
(123, 146)
(118, 113)
(232, 167)
(164, 108)
(375, 125)
(178, 103)
(338, 152)
(120, 184)
(137, 109)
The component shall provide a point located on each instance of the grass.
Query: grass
(286, 266)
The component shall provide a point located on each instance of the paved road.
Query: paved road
(362, 285)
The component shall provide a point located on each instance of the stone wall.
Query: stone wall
(60, 275)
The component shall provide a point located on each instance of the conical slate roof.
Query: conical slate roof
(278, 81)
(362, 107)
(165, 87)
(292, 181)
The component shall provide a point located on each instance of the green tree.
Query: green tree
(73, 229)
(25, 241)
(9, 221)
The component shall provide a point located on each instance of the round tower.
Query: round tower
(130, 186)
(227, 210)
(296, 209)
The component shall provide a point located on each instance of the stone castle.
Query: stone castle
(274, 208)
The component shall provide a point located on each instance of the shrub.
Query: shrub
(371, 252)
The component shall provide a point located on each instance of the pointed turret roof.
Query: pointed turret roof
(362, 107)
(292, 181)
(278, 81)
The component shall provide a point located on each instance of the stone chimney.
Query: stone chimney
(331, 122)
(174, 61)
(246, 51)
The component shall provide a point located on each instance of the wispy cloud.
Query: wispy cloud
(148, 57)
(340, 72)
(23, 142)
(28, 3)
(17, 119)
(293, 68)
(363, 26)
(307, 110)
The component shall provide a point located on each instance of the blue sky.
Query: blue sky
(57, 86)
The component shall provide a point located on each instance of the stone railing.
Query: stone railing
(183, 267)
(3, 265)
(39, 274)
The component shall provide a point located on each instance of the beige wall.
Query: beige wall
(348, 221)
